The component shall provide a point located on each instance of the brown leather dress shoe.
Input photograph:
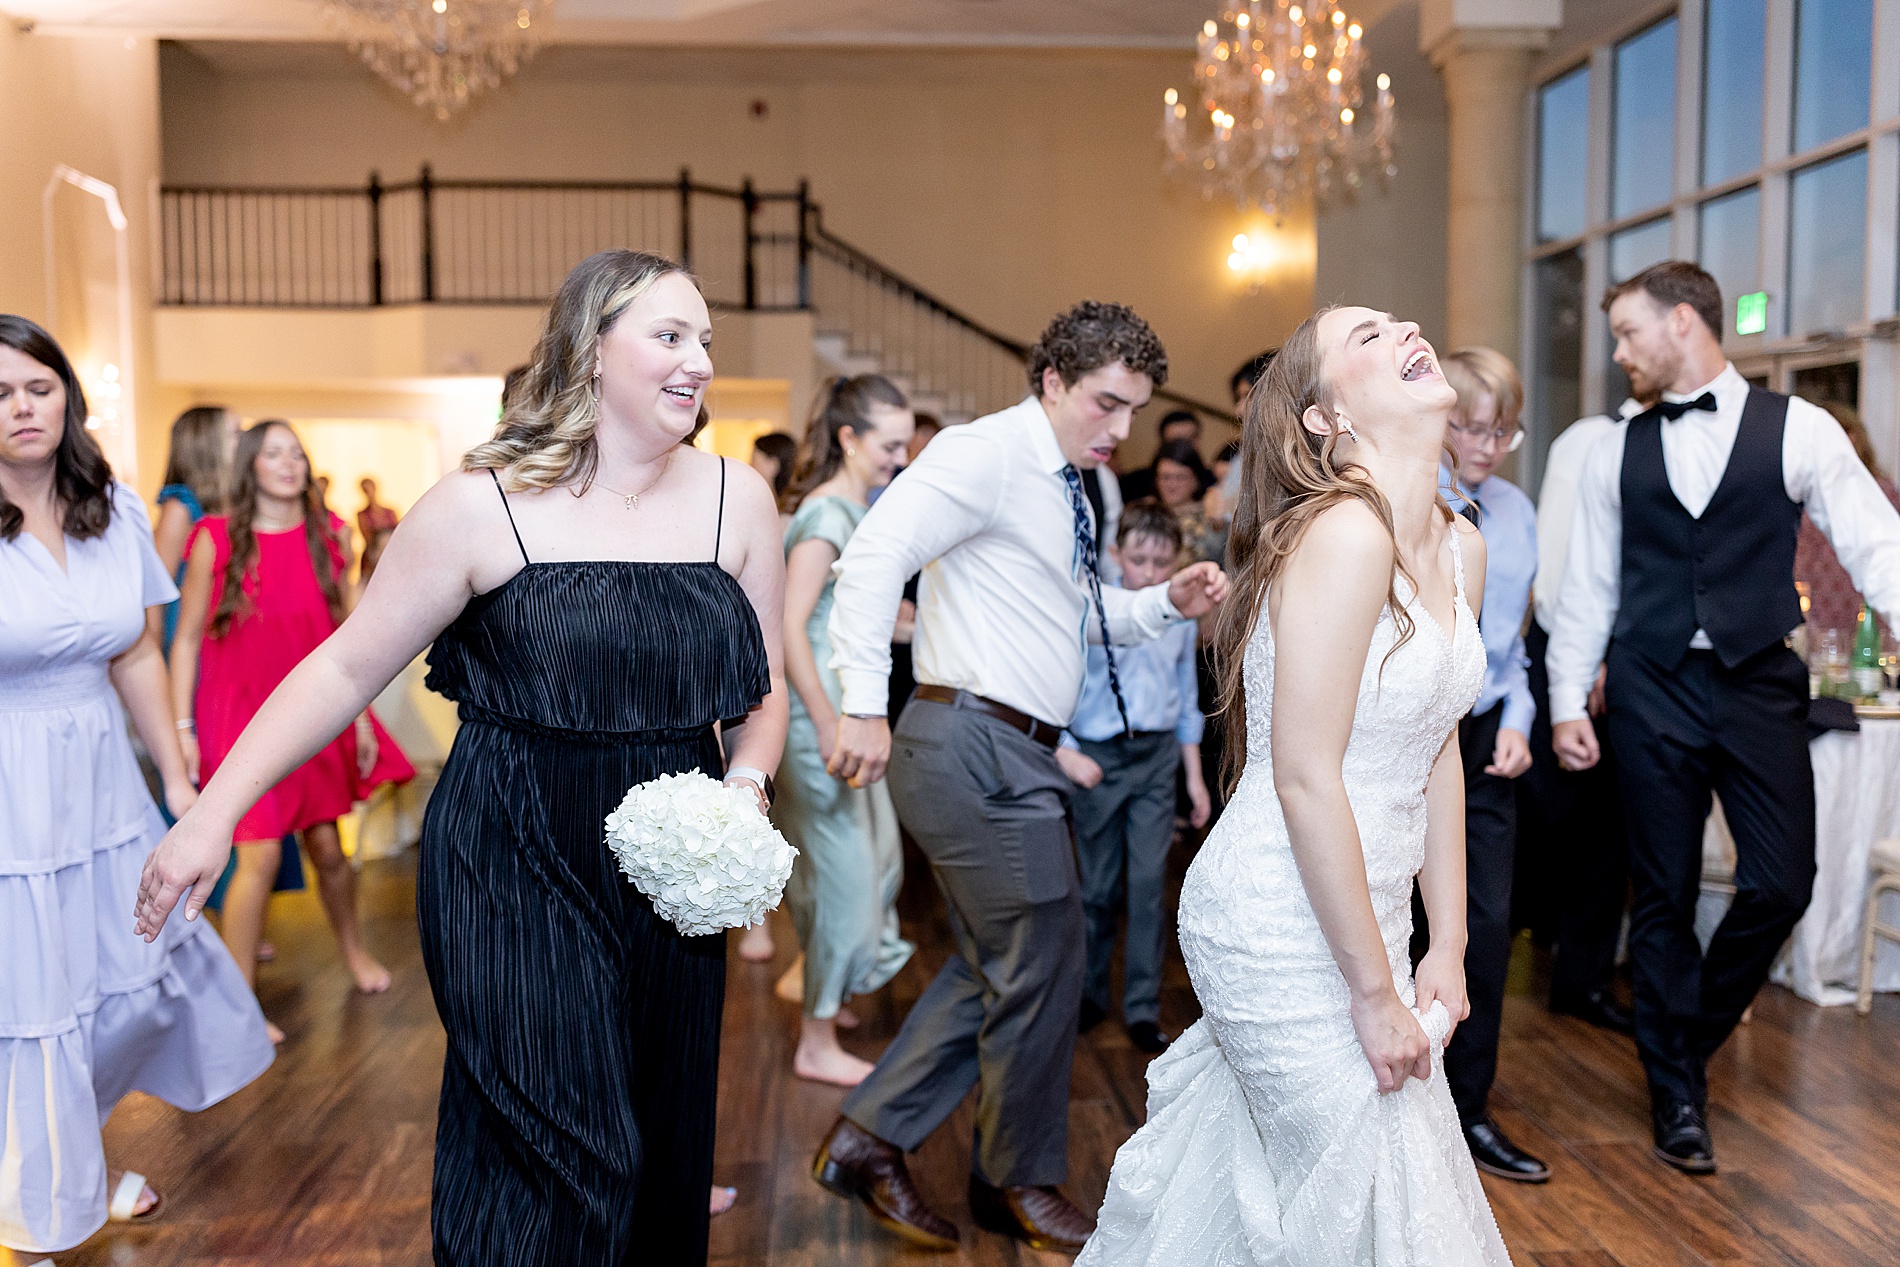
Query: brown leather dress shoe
(853, 1163)
(1040, 1217)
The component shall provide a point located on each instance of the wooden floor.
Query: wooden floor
(326, 1159)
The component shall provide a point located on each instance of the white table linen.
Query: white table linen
(1856, 802)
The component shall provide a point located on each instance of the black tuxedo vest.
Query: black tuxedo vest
(1729, 573)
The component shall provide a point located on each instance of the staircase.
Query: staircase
(511, 242)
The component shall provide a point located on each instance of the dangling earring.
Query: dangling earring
(593, 385)
(1345, 425)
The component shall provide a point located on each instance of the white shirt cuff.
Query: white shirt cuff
(865, 693)
(1567, 703)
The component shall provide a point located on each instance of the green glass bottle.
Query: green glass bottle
(1865, 665)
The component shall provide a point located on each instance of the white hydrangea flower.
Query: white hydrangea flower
(701, 851)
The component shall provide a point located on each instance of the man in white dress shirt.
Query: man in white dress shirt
(1571, 821)
(1682, 551)
(994, 515)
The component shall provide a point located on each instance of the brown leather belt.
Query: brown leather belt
(1041, 731)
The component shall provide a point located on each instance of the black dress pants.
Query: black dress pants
(1682, 733)
(1471, 1059)
(1572, 852)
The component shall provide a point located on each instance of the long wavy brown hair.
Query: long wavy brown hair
(1289, 477)
(234, 602)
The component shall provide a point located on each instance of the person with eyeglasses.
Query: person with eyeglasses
(1494, 736)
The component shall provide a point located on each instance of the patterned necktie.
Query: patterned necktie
(1085, 544)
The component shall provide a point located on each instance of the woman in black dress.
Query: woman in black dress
(599, 596)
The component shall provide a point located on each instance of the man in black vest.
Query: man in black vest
(1681, 561)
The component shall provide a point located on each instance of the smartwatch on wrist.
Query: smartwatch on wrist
(752, 775)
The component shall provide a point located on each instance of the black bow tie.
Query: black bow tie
(1674, 409)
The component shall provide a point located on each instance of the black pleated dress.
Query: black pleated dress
(576, 1122)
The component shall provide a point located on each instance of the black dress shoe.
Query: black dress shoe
(1089, 1018)
(1682, 1136)
(853, 1163)
(1598, 1007)
(1496, 1155)
(1040, 1217)
(1148, 1037)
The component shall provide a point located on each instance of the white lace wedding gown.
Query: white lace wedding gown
(1267, 1140)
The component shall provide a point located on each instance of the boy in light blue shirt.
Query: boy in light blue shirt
(1125, 800)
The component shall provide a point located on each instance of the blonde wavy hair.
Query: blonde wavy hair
(546, 435)
(1289, 477)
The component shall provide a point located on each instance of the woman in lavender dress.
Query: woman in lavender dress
(88, 1010)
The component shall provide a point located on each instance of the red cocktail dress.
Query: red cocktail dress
(286, 620)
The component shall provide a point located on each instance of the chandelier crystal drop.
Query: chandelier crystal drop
(1278, 106)
(441, 53)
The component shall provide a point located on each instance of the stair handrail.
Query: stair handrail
(884, 273)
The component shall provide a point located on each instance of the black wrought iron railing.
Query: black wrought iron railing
(511, 242)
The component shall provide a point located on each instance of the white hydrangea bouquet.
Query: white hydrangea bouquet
(701, 850)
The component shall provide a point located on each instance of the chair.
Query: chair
(1885, 862)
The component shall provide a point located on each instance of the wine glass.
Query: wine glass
(1830, 662)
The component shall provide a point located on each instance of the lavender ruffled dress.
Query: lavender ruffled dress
(89, 1011)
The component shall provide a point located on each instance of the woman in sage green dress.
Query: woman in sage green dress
(843, 890)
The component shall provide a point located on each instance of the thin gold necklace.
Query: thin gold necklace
(632, 500)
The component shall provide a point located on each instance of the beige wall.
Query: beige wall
(1011, 183)
(92, 104)
(1386, 248)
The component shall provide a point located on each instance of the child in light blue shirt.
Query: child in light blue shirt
(1124, 821)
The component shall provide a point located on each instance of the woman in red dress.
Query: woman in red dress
(263, 587)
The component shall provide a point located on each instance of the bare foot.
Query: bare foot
(371, 977)
(723, 1199)
(275, 1035)
(791, 986)
(266, 951)
(846, 1018)
(836, 1066)
(756, 947)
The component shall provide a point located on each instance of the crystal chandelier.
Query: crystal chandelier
(440, 53)
(1279, 92)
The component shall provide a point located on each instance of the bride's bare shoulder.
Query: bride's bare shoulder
(1347, 534)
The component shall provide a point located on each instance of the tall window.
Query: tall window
(1644, 131)
(1833, 73)
(1736, 35)
(1827, 244)
(1556, 353)
(1563, 145)
(1729, 229)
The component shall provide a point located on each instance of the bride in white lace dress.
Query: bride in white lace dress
(1305, 1121)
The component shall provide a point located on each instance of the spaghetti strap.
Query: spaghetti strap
(1457, 561)
(719, 525)
(507, 510)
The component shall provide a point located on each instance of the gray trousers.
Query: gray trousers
(988, 806)
(1124, 824)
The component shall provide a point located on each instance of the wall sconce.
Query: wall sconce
(104, 393)
(1271, 252)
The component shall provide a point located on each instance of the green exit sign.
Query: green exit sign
(1751, 313)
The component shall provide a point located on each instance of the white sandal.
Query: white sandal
(125, 1200)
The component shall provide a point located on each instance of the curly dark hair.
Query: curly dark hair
(82, 478)
(1091, 335)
